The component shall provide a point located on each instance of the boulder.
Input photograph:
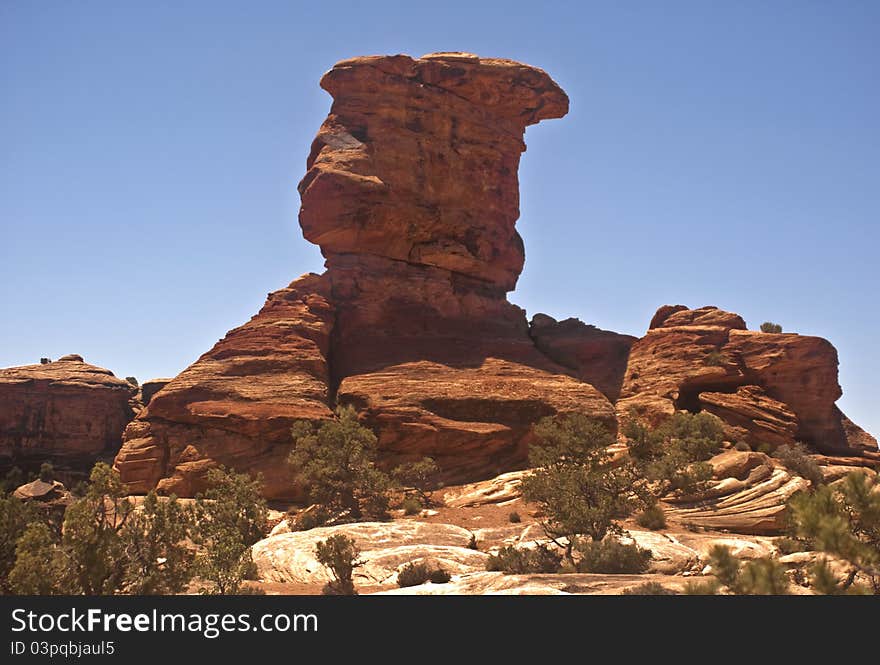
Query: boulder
(386, 547)
(595, 356)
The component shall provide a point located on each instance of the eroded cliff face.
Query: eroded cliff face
(411, 192)
(67, 411)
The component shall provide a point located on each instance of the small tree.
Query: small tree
(336, 463)
(91, 539)
(15, 516)
(575, 483)
(524, 560)
(843, 520)
(340, 554)
(419, 479)
(41, 566)
(672, 455)
(770, 327)
(796, 458)
(230, 517)
(153, 539)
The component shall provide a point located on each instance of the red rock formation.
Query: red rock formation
(769, 388)
(418, 161)
(412, 194)
(595, 356)
(67, 412)
(236, 404)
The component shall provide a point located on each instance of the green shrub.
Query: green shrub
(230, 517)
(649, 589)
(575, 483)
(133, 381)
(742, 446)
(439, 576)
(672, 455)
(758, 577)
(701, 588)
(413, 574)
(47, 472)
(762, 577)
(340, 554)
(336, 463)
(788, 545)
(842, 519)
(796, 458)
(15, 516)
(522, 561)
(514, 518)
(157, 561)
(411, 506)
(652, 518)
(419, 480)
(612, 557)
(41, 566)
(770, 327)
(309, 519)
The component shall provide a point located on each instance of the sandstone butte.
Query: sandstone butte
(411, 192)
(67, 411)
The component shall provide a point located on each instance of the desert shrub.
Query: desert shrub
(13, 479)
(45, 361)
(714, 359)
(672, 455)
(770, 327)
(758, 577)
(522, 561)
(15, 516)
(797, 459)
(413, 574)
(93, 547)
(842, 519)
(649, 589)
(742, 446)
(577, 486)
(47, 472)
(41, 566)
(419, 480)
(336, 463)
(472, 543)
(133, 381)
(762, 577)
(157, 560)
(652, 518)
(701, 588)
(230, 517)
(340, 554)
(411, 506)
(788, 545)
(439, 576)
(309, 519)
(611, 556)
(514, 518)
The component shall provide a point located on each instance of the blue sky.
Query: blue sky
(715, 153)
